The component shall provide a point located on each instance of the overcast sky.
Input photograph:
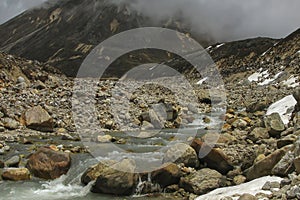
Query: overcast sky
(222, 19)
(11, 8)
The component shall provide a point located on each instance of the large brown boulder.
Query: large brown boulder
(168, 174)
(117, 179)
(215, 159)
(16, 174)
(38, 119)
(49, 164)
(93, 172)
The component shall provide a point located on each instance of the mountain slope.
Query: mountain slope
(63, 33)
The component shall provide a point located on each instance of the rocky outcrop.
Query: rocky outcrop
(48, 164)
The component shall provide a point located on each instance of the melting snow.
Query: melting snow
(284, 107)
(218, 46)
(202, 81)
(270, 80)
(257, 75)
(291, 82)
(254, 187)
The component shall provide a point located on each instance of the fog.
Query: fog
(227, 20)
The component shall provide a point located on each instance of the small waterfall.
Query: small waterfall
(146, 187)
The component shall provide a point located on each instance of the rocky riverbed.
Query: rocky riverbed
(39, 138)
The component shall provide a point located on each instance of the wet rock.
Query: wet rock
(13, 161)
(10, 123)
(38, 119)
(202, 181)
(167, 175)
(48, 164)
(182, 153)
(247, 197)
(215, 159)
(93, 172)
(264, 167)
(274, 124)
(118, 179)
(104, 139)
(16, 174)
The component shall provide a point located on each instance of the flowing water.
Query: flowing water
(144, 151)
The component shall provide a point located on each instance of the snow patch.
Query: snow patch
(258, 75)
(284, 107)
(291, 82)
(202, 81)
(254, 187)
(218, 46)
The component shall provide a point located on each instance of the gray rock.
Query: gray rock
(13, 161)
(285, 165)
(274, 124)
(182, 153)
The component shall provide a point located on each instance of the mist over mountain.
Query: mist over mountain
(229, 19)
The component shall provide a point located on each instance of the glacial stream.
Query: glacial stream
(144, 151)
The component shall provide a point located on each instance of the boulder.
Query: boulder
(258, 134)
(38, 119)
(13, 161)
(274, 124)
(264, 167)
(215, 159)
(104, 139)
(167, 175)
(10, 123)
(285, 166)
(93, 172)
(182, 153)
(118, 179)
(16, 174)
(49, 164)
(202, 181)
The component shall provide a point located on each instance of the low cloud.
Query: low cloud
(11, 8)
(225, 20)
